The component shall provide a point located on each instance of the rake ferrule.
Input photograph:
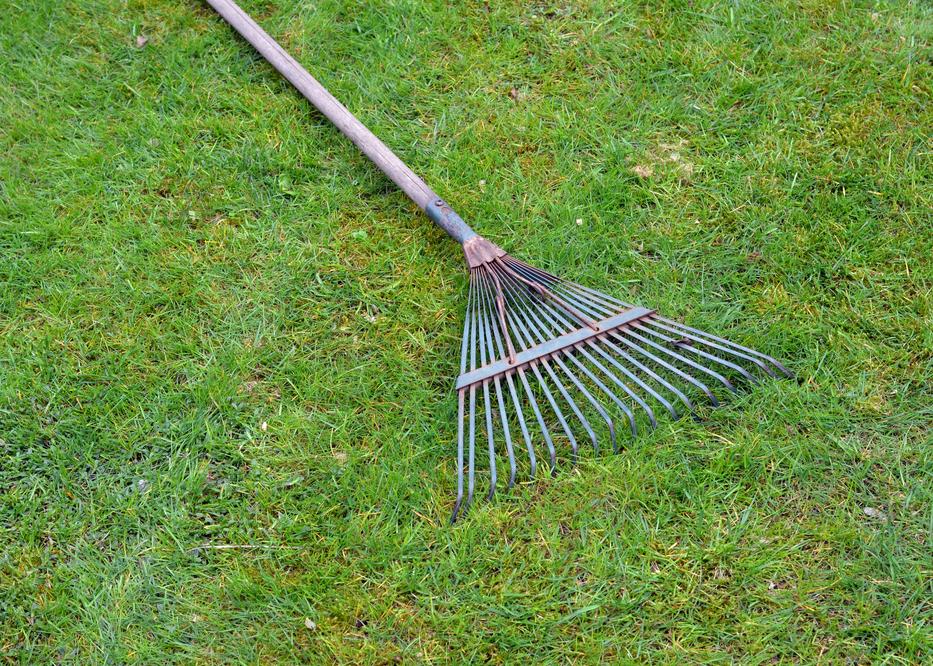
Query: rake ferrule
(479, 252)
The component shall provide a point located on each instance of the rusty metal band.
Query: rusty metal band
(550, 347)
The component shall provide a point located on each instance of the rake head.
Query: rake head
(548, 361)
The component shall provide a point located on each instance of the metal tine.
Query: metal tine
(612, 396)
(555, 282)
(699, 352)
(550, 314)
(598, 296)
(589, 306)
(631, 375)
(568, 284)
(533, 272)
(638, 380)
(604, 340)
(575, 293)
(471, 480)
(544, 292)
(707, 338)
(543, 337)
(618, 382)
(730, 343)
(505, 430)
(544, 275)
(628, 330)
(678, 329)
(552, 450)
(595, 307)
(518, 407)
(529, 445)
(628, 373)
(527, 340)
(521, 331)
(573, 407)
(493, 354)
(534, 405)
(595, 403)
(471, 475)
(493, 477)
(551, 401)
(660, 361)
(490, 438)
(461, 396)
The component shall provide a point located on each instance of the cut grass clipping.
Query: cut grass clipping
(226, 416)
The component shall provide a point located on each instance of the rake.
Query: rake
(542, 358)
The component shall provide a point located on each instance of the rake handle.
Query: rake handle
(368, 143)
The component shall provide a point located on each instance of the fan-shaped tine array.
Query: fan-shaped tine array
(550, 358)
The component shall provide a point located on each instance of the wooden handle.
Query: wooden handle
(387, 161)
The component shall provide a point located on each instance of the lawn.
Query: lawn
(227, 416)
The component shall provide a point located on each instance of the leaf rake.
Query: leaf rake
(541, 356)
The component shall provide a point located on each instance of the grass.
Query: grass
(228, 344)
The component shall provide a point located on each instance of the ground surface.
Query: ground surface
(228, 344)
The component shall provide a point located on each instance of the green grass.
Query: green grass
(228, 344)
